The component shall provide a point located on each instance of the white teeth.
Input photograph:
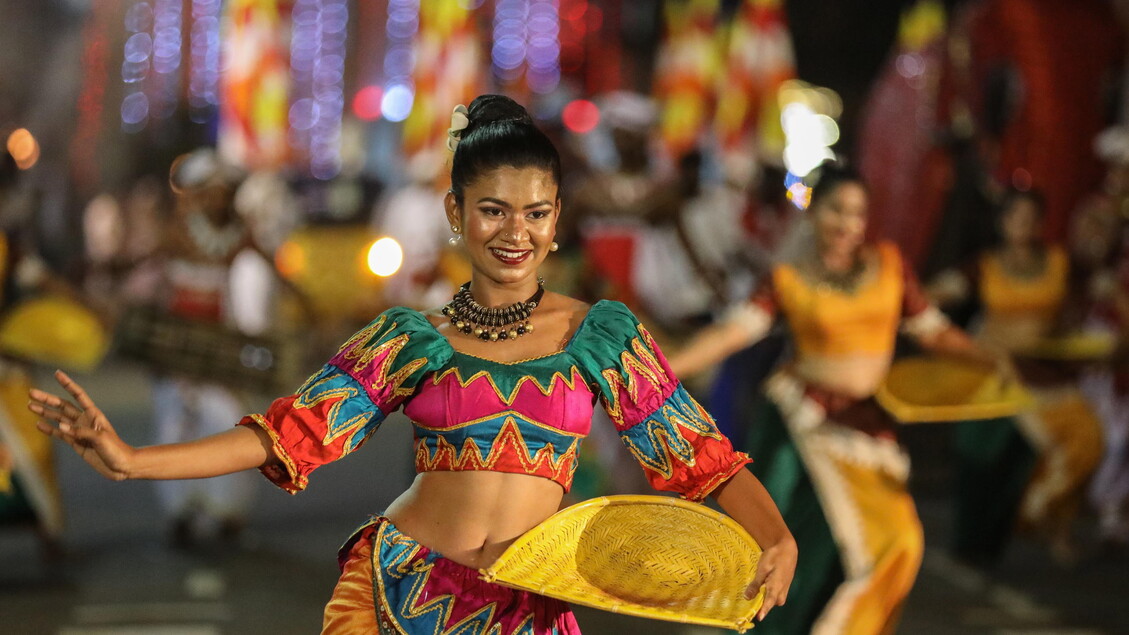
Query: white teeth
(507, 253)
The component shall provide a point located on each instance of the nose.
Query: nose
(515, 229)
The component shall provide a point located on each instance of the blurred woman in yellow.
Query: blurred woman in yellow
(827, 452)
(29, 492)
(1022, 287)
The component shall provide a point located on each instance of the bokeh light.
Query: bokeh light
(397, 102)
(290, 260)
(317, 71)
(807, 117)
(366, 103)
(399, 59)
(23, 147)
(580, 116)
(385, 257)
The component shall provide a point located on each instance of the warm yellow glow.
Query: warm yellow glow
(385, 257)
(23, 147)
(290, 260)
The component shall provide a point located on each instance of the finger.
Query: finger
(61, 432)
(49, 430)
(752, 590)
(76, 391)
(768, 604)
(772, 597)
(759, 578)
(57, 412)
(49, 413)
(53, 401)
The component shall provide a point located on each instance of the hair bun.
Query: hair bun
(492, 109)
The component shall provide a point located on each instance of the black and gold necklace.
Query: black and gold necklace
(492, 324)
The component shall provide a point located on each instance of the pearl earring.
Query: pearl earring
(454, 240)
(553, 246)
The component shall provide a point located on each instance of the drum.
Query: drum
(210, 351)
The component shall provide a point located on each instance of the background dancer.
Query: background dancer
(825, 446)
(1021, 288)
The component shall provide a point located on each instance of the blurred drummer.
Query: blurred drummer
(204, 238)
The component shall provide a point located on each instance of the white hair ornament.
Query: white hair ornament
(460, 119)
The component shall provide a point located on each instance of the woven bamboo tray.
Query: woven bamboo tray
(648, 556)
(55, 331)
(1079, 347)
(922, 389)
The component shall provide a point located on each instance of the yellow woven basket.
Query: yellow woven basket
(54, 330)
(923, 389)
(648, 556)
(1078, 347)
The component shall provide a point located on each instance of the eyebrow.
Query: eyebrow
(488, 199)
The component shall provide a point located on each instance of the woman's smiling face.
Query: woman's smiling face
(508, 220)
(840, 219)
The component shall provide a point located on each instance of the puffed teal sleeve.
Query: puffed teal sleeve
(341, 405)
(671, 436)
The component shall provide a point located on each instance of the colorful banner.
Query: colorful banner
(758, 58)
(687, 72)
(255, 83)
(448, 71)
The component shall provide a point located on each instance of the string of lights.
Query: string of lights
(317, 73)
(399, 59)
(204, 52)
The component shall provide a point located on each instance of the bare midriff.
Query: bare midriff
(858, 375)
(471, 517)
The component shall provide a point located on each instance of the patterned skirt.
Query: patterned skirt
(392, 585)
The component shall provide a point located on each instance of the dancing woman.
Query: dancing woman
(1023, 287)
(827, 453)
(500, 386)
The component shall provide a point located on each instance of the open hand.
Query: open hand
(774, 572)
(81, 425)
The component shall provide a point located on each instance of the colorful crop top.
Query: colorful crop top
(527, 417)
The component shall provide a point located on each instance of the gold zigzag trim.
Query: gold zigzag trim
(547, 391)
(334, 428)
(364, 354)
(664, 434)
(297, 481)
(690, 414)
(412, 608)
(470, 457)
(644, 364)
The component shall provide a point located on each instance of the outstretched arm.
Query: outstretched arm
(711, 345)
(82, 425)
(746, 500)
(953, 342)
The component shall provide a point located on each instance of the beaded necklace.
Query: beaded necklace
(492, 324)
